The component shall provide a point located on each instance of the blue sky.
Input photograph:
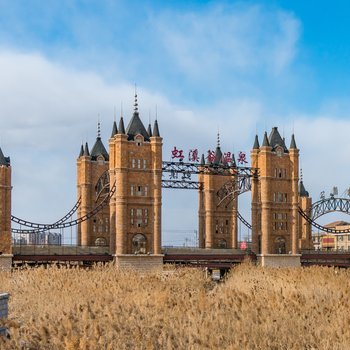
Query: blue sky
(240, 67)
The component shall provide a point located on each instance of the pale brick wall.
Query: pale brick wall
(6, 262)
(279, 260)
(140, 263)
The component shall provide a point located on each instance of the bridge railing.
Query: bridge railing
(325, 252)
(49, 249)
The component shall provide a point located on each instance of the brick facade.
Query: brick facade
(5, 206)
(276, 224)
(131, 223)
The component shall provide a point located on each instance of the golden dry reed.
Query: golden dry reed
(103, 308)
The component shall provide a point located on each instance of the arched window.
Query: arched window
(280, 245)
(100, 241)
(139, 244)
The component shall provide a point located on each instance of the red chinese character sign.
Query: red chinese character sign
(242, 158)
(177, 154)
(211, 156)
(193, 155)
(227, 158)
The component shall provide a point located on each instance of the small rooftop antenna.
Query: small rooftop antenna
(98, 127)
(135, 104)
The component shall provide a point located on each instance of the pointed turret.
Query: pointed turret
(265, 141)
(81, 153)
(218, 153)
(4, 160)
(135, 125)
(86, 150)
(149, 130)
(121, 128)
(156, 129)
(233, 159)
(202, 160)
(256, 143)
(293, 145)
(98, 148)
(302, 190)
(114, 129)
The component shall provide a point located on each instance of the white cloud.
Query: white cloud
(228, 39)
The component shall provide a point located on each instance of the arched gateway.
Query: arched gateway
(120, 196)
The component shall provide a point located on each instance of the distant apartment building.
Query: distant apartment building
(39, 238)
(330, 242)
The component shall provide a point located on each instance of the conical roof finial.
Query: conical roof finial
(156, 129)
(149, 130)
(86, 150)
(81, 153)
(293, 145)
(265, 141)
(233, 159)
(2, 159)
(114, 129)
(218, 141)
(121, 128)
(256, 143)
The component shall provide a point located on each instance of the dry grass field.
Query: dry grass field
(103, 308)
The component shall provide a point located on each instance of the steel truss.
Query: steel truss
(325, 206)
(102, 185)
(75, 222)
(243, 220)
(329, 205)
(46, 226)
(180, 173)
(187, 185)
(233, 188)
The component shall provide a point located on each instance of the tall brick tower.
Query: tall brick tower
(217, 219)
(305, 203)
(275, 197)
(90, 168)
(5, 213)
(135, 167)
